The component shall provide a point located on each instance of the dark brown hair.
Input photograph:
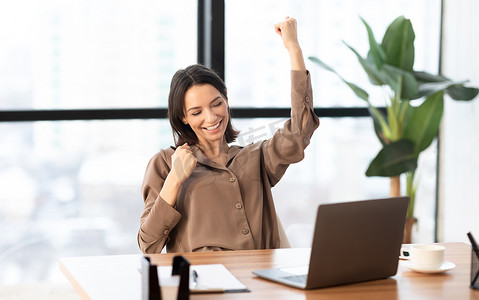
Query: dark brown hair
(180, 83)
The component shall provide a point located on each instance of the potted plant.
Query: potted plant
(414, 106)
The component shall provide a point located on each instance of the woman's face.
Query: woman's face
(206, 111)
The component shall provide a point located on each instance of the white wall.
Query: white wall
(459, 149)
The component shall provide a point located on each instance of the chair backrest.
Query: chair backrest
(284, 241)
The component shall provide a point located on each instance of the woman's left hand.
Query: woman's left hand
(288, 32)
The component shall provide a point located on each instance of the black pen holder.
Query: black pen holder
(151, 288)
(474, 270)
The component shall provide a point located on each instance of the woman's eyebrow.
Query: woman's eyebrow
(200, 106)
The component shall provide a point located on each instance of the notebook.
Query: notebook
(352, 242)
(214, 278)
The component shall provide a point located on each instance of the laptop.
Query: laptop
(352, 242)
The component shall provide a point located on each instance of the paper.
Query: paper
(211, 279)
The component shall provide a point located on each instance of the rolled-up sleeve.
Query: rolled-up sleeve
(158, 218)
(288, 143)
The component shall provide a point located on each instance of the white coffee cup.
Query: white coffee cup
(427, 257)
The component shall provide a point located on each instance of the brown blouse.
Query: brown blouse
(227, 208)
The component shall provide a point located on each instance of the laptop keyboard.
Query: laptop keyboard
(297, 278)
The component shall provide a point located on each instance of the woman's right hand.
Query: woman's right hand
(183, 163)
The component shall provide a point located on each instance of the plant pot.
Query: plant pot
(410, 222)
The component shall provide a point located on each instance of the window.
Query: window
(84, 54)
(73, 187)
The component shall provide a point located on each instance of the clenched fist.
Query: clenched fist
(288, 32)
(183, 163)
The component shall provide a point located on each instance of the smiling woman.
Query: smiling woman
(206, 195)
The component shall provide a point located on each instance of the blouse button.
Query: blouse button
(238, 205)
(166, 232)
(232, 179)
(245, 231)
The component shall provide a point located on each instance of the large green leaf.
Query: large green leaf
(369, 67)
(409, 109)
(429, 88)
(422, 76)
(460, 92)
(398, 44)
(388, 75)
(430, 84)
(356, 89)
(375, 50)
(409, 86)
(423, 124)
(393, 160)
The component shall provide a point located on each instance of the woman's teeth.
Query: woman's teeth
(213, 127)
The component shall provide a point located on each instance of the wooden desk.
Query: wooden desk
(117, 277)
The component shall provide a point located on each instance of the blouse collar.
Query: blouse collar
(202, 159)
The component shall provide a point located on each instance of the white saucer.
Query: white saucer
(446, 266)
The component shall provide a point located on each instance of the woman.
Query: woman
(206, 195)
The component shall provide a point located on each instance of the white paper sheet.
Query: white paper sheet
(211, 278)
